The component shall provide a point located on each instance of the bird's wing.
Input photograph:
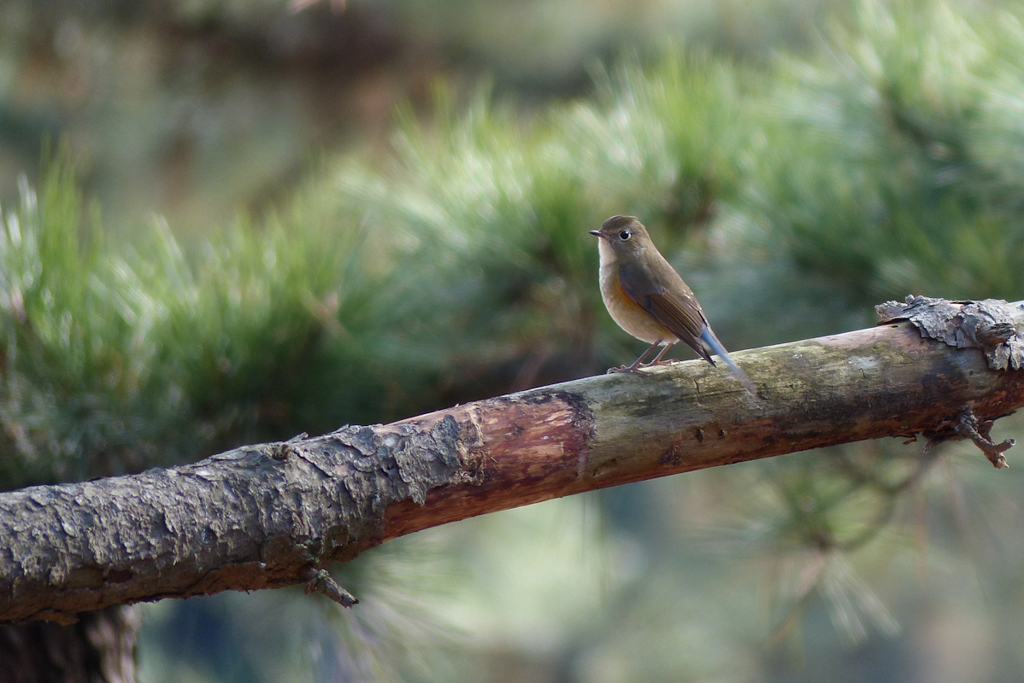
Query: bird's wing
(672, 304)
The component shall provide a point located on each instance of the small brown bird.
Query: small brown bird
(647, 298)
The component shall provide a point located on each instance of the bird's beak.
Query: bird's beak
(596, 233)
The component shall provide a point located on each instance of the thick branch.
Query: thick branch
(270, 515)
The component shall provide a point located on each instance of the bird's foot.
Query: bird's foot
(670, 361)
(621, 368)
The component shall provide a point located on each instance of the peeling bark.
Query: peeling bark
(271, 515)
(990, 325)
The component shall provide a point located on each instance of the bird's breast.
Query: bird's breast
(629, 315)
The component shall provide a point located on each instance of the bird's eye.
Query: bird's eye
(625, 235)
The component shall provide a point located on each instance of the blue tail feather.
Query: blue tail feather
(709, 338)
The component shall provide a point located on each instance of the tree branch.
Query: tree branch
(272, 515)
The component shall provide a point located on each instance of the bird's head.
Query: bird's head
(625, 236)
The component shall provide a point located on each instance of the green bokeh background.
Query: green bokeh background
(232, 222)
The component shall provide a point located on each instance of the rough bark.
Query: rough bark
(271, 515)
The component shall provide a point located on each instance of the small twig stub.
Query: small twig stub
(980, 433)
(320, 581)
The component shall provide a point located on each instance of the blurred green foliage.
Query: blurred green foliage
(449, 260)
(907, 180)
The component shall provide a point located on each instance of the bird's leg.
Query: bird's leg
(636, 363)
(658, 360)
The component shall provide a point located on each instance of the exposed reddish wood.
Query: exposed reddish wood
(524, 450)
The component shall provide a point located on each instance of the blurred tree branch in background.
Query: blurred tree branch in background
(269, 515)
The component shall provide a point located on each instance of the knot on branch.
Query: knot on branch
(991, 325)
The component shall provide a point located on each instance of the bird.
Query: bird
(647, 298)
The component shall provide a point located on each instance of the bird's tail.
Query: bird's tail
(709, 338)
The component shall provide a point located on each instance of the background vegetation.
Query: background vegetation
(413, 183)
